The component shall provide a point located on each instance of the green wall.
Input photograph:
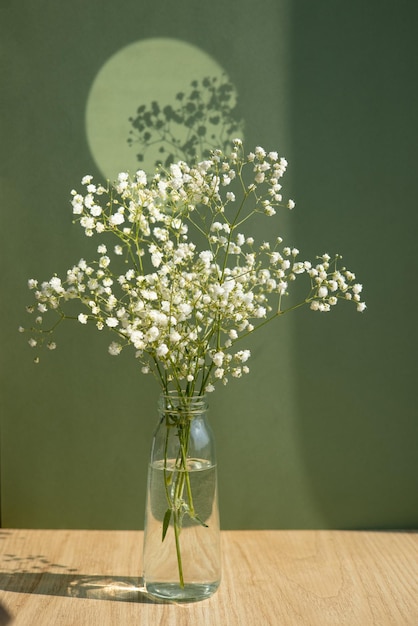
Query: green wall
(323, 433)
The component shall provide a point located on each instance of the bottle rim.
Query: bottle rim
(191, 404)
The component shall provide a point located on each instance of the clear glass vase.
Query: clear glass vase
(182, 557)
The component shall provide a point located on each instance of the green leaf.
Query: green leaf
(166, 522)
(197, 518)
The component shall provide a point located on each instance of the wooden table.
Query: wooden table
(317, 578)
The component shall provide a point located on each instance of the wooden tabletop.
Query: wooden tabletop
(284, 578)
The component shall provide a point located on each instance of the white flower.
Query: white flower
(112, 322)
(137, 339)
(156, 258)
(218, 358)
(56, 285)
(89, 201)
(96, 210)
(206, 256)
(78, 204)
(361, 306)
(268, 210)
(141, 177)
(87, 222)
(174, 336)
(117, 219)
(82, 318)
(115, 348)
(260, 152)
(243, 355)
(162, 350)
(185, 309)
(152, 334)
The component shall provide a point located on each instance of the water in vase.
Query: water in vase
(185, 566)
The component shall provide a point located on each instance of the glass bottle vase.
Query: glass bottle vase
(182, 557)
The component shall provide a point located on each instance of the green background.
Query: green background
(323, 433)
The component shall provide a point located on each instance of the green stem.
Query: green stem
(166, 481)
(186, 476)
(180, 479)
(173, 502)
(177, 523)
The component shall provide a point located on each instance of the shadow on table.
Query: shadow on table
(36, 574)
(5, 617)
(113, 588)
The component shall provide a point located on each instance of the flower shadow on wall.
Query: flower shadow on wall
(207, 117)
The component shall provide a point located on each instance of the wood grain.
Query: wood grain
(312, 578)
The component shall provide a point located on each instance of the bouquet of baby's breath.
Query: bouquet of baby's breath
(183, 282)
(179, 278)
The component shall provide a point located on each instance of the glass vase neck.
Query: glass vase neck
(192, 405)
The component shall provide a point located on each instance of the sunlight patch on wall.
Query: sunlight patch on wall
(158, 99)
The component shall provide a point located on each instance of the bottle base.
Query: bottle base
(173, 592)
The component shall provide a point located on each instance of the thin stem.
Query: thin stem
(177, 525)
(177, 483)
(278, 313)
(184, 450)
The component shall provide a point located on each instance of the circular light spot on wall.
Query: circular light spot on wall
(158, 100)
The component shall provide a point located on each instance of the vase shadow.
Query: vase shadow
(111, 588)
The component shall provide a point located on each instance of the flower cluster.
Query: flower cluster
(179, 276)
